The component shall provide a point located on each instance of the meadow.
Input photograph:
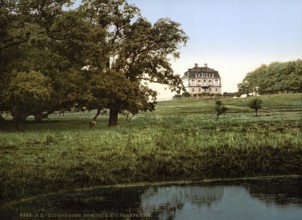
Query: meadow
(180, 141)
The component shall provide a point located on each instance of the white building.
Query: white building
(202, 81)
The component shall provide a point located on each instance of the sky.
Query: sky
(233, 37)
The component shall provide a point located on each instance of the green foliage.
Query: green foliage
(255, 104)
(274, 78)
(219, 108)
(28, 93)
(186, 94)
(80, 50)
(33, 42)
(244, 88)
(177, 96)
(115, 90)
(138, 51)
(183, 95)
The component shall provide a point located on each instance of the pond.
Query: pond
(251, 199)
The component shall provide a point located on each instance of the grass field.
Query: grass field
(181, 140)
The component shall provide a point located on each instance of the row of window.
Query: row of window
(216, 80)
(204, 90)
(204, 74)
(203, 84)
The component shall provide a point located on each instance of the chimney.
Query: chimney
(205, 65)
(196, 64)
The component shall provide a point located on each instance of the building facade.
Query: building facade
(202, 81)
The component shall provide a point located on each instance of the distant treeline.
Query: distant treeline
(277, 77)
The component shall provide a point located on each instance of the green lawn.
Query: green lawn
(181, 140)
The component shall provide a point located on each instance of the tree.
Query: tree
(244, 88)
(13, 32)
(219, 108)
(138, 51)
(97, 56)
(186, 95)
(29, 93)
(255, 104)
(39, 36)
(276, 77)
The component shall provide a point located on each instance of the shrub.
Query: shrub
(255, 104)
(220, 108)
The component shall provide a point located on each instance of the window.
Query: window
(192, 89)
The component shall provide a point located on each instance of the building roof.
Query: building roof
(196, 69)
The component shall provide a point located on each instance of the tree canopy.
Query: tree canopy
(220, 108)
(255, 104)
(277, 77)
(97, 55)
(39, 36)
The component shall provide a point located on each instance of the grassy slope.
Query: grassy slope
(179, 141)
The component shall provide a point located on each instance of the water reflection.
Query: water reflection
(274, 199)
(279, 191)
(165, 201)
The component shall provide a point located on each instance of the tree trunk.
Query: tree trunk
(217, 116)
(40, 116)
(113, 117)
(1, 118)
(92, 123)
(20, 116)
(97, 114)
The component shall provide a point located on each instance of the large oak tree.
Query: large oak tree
(99, 55)
(40, 36)
(138, 52)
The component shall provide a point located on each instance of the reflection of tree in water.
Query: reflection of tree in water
(108, 200)
(114, 200)
(281, 191)
(165, 201)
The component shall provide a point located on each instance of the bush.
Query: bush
(255, 104)
(220, 108)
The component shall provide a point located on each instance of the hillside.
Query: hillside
(180, 141)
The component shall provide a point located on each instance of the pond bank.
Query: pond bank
(39, 171)
(274, 198)
(150, 184)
